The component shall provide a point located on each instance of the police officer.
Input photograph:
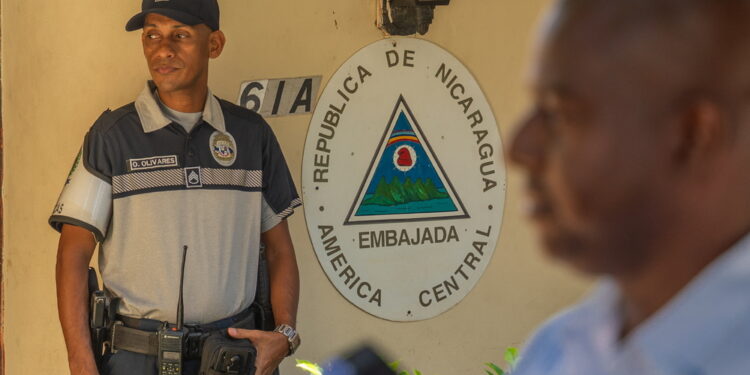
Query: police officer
(178, 167)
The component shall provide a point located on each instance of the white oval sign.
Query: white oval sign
(403, 180)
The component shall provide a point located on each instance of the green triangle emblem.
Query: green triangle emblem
(405, 180)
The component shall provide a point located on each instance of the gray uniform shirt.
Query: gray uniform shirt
(145, 187)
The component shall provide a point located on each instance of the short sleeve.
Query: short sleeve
(279, 192)
(86, 198)
(269, 218)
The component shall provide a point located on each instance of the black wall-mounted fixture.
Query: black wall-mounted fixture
(407, 17)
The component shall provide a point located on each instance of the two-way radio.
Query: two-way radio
(172, 339)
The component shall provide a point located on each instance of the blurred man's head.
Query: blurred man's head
(179, 37)
(638, 140)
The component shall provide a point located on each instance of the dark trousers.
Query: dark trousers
(129, 363)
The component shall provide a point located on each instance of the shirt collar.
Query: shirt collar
(152, 118)
(686, 334)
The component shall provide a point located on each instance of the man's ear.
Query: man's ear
(216, 41)
(702, 131)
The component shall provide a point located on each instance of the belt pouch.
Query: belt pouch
(225, 355)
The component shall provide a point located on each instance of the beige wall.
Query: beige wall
(64, 62)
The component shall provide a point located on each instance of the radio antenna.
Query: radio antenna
(180, 308)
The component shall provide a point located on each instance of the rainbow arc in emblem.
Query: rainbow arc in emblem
(403, 136)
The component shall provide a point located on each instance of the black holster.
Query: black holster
(102, 310)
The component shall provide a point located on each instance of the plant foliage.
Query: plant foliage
(511, 358)
(310, 367)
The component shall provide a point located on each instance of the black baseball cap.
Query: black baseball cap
(189, 12)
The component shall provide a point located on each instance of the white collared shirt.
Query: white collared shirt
(704, 330)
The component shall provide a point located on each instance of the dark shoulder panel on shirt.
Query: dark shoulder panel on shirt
(102, 146)
(109, 118)
(242, 114)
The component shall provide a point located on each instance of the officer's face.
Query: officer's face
(177, 54)
(593, 150)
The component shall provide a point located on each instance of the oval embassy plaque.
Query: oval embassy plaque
(403, 180)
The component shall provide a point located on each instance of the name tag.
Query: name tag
(152, 163)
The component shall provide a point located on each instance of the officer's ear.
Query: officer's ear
(216, 41)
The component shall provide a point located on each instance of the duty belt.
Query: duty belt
(140, 336)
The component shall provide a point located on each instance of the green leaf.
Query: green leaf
(511, 356)
(416, 372)
(495, 368)
(488, 372)
(403, 373)
(310, 367)
(394, 366)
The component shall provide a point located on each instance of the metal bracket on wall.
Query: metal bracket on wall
(407, 17)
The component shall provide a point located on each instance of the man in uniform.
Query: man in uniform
(637, 153)
(178, 167)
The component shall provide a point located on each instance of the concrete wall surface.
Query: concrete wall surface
(64, 62)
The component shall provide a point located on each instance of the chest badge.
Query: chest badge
(223, 148)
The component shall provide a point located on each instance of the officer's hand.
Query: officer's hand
(271, 348)
(83, 368)
(82, 364)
